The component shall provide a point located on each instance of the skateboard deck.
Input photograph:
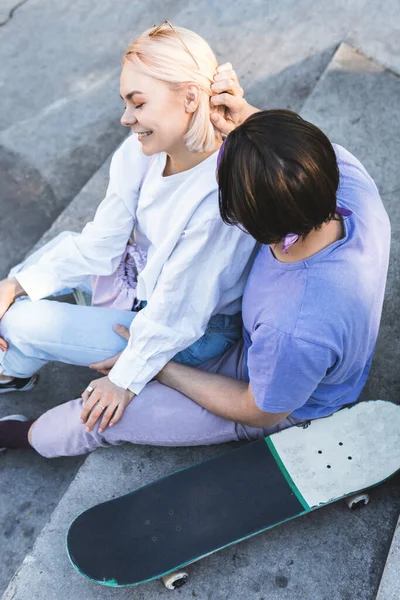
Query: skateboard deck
(192, 513)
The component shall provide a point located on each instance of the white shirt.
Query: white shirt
(196, 265)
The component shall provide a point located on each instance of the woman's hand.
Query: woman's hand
(9, 291)
(104, 400)
(228, 93)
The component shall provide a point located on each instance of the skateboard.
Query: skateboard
(157, 530)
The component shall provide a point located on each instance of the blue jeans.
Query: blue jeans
(47, 330)
(223, 331)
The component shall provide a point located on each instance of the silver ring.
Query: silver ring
(89, 389)
(100, 406)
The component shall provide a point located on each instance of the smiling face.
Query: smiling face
(154, 111)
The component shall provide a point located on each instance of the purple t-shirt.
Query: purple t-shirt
(310, 327)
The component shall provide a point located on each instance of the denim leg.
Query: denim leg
(46, 330)
(223, 331)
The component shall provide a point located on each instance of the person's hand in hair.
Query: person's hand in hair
(228, 93)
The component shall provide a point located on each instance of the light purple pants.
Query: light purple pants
(158, 416)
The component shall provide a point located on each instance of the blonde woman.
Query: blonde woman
(178, 285)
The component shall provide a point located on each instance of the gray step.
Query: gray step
(51, 145)
(7, 10)
(376, 32)
(390, 584)
(327, 554)
(332, 553)
(82, 208)
(30, 486)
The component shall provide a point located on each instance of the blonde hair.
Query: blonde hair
(164, 57)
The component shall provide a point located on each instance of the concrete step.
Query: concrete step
(376, 33)
(328, 554)
(332, 553)
(390, 584)
(30, 486)
(82, 208)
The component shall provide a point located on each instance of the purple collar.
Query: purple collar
(292, 238)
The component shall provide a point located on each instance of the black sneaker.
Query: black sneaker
(19, 385)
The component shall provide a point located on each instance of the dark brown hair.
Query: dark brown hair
(277, 175)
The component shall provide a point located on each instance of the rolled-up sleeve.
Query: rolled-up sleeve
(209, 259)
(284, 370)
(95, 251)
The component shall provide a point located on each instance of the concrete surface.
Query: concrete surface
(390, 584)
(31, 487)
(82, 208)
(376, 32)
(8, 9)
(331, 554)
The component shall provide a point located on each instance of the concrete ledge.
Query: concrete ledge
(331, 553)
(31, 486)
(376, 33)
(82, 208)
(390, 584)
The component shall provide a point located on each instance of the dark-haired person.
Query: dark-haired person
(311, 307)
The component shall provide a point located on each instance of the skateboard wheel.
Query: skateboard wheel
(357, 501)
(175, 580)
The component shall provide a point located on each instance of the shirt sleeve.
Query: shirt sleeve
(96, 251)
(284, 370)
(209, 258)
